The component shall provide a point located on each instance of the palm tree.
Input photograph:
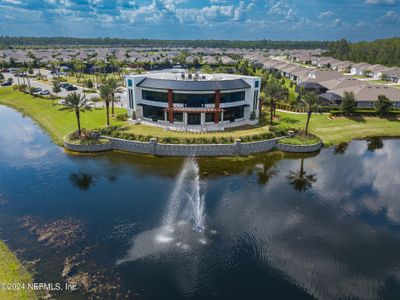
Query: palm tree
(310, 100)
(106, 94)
(113, 83)
(274, 91)
(300, 180)
(75, 102)
(56, 87)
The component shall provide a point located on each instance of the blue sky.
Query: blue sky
(203, 19)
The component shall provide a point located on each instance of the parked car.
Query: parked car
(44, 93)
(4, 70)
(36, 90)
(71, 88)
(6, 83)
(64, 85)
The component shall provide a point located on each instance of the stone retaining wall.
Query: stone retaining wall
(154, 148)
(299, 148)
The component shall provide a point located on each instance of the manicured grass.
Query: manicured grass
(339, 130)
(57, 123)
(12, 271)
(300, 140)
(292, 90)
(229, 133)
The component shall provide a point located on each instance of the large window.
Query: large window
(178, 117)
(232, 97)
(130, 98)
(233, 113)
(209, 117)
(154, 113)
(155, 96)
(194, 100)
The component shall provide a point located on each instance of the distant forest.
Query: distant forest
(384, 51)
(42, 42)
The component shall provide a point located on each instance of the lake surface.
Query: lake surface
(276, 227)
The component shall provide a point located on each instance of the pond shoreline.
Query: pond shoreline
(182, 150)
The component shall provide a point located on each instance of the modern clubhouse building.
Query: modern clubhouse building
(178, 100)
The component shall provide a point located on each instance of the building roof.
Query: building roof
(192, 85)
(370, 92)
(342, 82)
(330, 97)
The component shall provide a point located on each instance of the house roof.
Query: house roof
(370, 92)
(342, 82)
(191, 85)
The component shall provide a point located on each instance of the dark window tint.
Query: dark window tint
(155, 96)
(154, 113)
(230, 114)
(232, 97)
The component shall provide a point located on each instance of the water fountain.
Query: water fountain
(183, 225)
(186, 200)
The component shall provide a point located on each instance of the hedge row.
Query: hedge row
(114, 131)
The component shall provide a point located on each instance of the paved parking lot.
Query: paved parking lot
(64, 93)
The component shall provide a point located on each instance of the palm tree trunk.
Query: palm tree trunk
(271, 104)
(79, 121)
(108, 112)
(308, 120)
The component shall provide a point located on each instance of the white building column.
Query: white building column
(222, 116)
(185, 118)
(202, 119)
(165, 117)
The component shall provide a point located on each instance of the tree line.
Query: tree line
(383, 51)
(13, 41)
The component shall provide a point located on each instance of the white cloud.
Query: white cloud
(283, 10)
(337, 23)
(326, 14)
(379, 2)
(15, 2)
(390, 17)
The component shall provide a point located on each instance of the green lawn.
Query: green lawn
(338, 130)
(57, 123)
(300, 140)
(229, 133)
(331, 131)
(12, 271)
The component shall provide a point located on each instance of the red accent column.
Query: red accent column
(217, 103)
(170, 106)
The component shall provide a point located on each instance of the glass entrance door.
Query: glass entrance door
(194, 119)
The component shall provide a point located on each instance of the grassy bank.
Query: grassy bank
(338, 130)
(57, 123)
(330, 130)
(12, 271)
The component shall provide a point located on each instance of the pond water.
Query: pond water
(275, 226)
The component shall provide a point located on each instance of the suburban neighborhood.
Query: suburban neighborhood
(209, 149)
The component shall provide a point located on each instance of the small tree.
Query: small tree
(89, 84)
(106, 94)
(310, 100)
(348, 102)
(56, 89)
(77, 103)
(274, 91)
(383, 105)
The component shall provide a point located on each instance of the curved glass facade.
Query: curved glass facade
(155, 96)
(193, 100)
(232, 97)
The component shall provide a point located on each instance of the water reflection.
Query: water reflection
(265, 234)
(81, 181)
(341, 148)
(374, 143)
(300, 180)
